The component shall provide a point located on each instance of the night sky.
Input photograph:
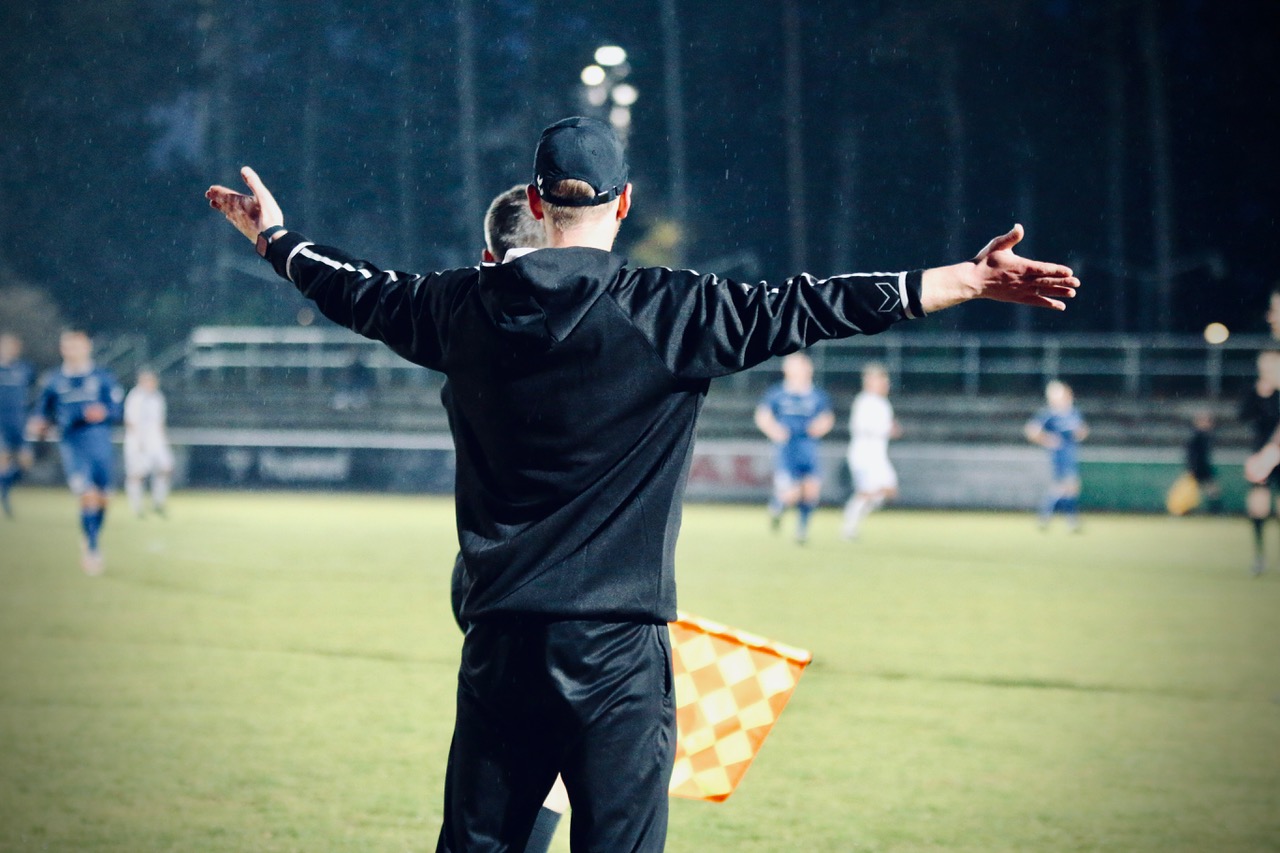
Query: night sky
(926, 129)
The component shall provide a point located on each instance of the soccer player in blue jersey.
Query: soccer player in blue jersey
(16, 378)
(794, 415)
(1060, 428)
(83, 401)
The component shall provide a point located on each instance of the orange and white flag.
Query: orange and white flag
(731, 686)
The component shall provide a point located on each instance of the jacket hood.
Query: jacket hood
(542, 296)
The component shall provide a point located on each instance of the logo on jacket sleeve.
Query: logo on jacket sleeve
(891, 298)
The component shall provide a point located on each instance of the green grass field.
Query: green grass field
(275, 672)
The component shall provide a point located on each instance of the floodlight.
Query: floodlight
(610, 55)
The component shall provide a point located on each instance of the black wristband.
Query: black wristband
(265, 238)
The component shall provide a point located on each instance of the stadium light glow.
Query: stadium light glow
(624, 94)
(1216, 333)
(610, 55)
(593, 75)
(620, 117)
(597, 95)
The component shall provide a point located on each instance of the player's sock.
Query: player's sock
(7, 479)
(805, 509)
(1258, 527)
(775, 513)
(857, 509)
(91, 521)
(87, 527)
(133, 488)
(1071, 509)
(1047, 507)
(854, 511)
(544, 829)
(159, 492)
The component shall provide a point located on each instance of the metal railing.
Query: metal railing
(959, 363)
(973, 363)
(312, 356)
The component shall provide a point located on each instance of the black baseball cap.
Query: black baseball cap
(583, 149)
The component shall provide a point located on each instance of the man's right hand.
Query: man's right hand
(250, 214)
(997, 273)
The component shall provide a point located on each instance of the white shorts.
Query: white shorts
(873, 475)
(141, 460)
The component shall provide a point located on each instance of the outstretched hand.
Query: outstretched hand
(1006, 277)
(997, 273)
(250, 214)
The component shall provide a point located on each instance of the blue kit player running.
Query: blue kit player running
(83, 401)
(794, 415)
(16, 379)
(1060, 428)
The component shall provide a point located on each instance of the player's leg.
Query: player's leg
(8, 476)
(786, 492)
(75, 468)
(877, 482)
(98, 452)
(161, 478)
(135, 472)
(14, 459)
(1212, 492)
(617, 771)
(1053, 497)
(1070, 502)
(810, 494)
(1258, 508)
(507, 740)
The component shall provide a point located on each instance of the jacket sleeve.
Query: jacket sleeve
(703, 326)
(402, 310)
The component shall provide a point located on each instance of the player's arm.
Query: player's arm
(384, 305)
(109, 407)
(43, 412)
(1082, 431)
(822, 424)
(1260, 464)
(768, 424)
(131, 401)
(1037, 434)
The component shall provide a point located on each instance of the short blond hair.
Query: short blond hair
(564, 218)
(509, 224)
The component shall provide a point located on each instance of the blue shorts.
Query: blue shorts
(797, 460)
(87, 458)
(1066, 466)
(12, 434)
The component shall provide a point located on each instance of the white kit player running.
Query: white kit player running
(146, 444)
(871, 426)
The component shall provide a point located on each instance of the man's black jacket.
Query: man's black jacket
(574, 383)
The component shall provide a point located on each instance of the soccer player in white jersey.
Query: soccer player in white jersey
(146, 444)
(871, 426)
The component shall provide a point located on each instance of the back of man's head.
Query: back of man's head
(509, 224)
(579, 172)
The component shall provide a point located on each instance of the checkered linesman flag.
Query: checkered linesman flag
(731, 687)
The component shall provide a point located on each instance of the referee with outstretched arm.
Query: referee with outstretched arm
(573, 385)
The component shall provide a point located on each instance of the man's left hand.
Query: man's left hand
(250, 214)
